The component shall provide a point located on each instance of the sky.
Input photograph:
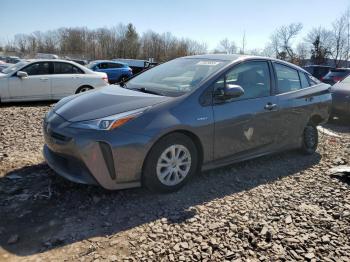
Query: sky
(203, 20)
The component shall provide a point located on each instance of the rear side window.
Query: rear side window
(287, 79)
(103, 66)
(65, 68)
(303, 80)
(115, 65)
(42, 68)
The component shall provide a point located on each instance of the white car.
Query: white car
(49, 79)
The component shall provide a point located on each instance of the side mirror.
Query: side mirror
(22, 74)
(229, 92)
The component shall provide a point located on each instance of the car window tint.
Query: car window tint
(287, 78)
(313, 80)
(65, 68)
(253, 77)
(303, 80)
(103, 65)
(115, 65)
(42, 68)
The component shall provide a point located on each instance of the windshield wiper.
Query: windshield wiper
(144, 90)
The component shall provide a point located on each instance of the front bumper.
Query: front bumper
(111, 159)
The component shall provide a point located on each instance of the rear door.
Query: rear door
(246, 125)
(37, 86)
(66, 79)
(295, 102)
(103, 67)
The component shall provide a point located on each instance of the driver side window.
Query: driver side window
(42, 68)
(253, 77)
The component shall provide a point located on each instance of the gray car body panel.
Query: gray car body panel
(225, 132)
(341, 99)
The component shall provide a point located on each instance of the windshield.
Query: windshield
(14, 68)
(176, 77)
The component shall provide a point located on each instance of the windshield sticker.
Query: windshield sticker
(208, 63)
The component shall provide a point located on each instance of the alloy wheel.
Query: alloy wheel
(173, 165)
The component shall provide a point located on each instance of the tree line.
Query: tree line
(123, 41)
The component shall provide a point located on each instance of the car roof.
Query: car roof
(237, 57)
(108, 61)
(224, 57)
(47, 60)
(319, 66)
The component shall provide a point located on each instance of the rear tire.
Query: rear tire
(122, 79)
(84, 89)
(309, 139)
(170, 164)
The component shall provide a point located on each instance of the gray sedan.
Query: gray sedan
(341, 99)
(193, 113)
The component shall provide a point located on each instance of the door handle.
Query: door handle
(44, 79)
(270, 106)
(310, 99)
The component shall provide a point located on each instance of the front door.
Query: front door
(247, 124)
(37, 86)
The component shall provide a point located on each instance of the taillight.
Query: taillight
(105, 78)
(337, 79)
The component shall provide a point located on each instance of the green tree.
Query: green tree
(319, 53)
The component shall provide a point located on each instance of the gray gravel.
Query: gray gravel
(284, 207)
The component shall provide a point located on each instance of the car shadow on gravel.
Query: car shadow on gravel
(341, 126)
(345, 178)
(41, 211)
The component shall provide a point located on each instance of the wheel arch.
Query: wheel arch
(80, 87)
(316, 119)
(197, 142)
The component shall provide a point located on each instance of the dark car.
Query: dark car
(12, 59)
(80, 61)
(3, 66)
(318, 71)
(116, 71)
(336, 75)
(136, 65)
(341, 99)
(193, 113)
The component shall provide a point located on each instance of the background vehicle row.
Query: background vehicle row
(47, 79)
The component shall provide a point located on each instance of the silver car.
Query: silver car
(193, 113)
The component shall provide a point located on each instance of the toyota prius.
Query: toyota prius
(194, 113)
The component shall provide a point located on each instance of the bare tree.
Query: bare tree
(282, 41)
(227, 46)
(244, 43)
(339, 40)
(302, 53)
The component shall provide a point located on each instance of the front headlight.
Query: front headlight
(110, 122)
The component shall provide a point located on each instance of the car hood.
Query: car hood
(341, 88)
(104, 102)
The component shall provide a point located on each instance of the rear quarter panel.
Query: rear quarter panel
(93, 80)
(4, 89)
(298, 107)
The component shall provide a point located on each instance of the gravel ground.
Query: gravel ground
(283, 207)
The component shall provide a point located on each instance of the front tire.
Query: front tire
(172, 161)
(310, 139)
